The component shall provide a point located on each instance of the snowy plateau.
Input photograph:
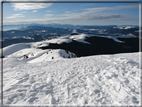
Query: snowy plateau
(43, 77)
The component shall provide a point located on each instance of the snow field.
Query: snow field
(93, 80)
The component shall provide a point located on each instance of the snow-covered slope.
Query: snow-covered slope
(13, 48)
(93, 80)
(33, 55)
(53, 55)
(32, 76)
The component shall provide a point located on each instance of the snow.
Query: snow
(82, 37)
(128, 27)
(74, 31)
(39, 80)
(13, 48)
(39, 44)
(59, 40)
(36, 77)
(33, 55)
(53, 55)
(45, 43)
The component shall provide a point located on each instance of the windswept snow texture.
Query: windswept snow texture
(93, 80)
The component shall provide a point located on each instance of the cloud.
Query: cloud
(29, 6)
(109, 17)
(48, 15)
(100, 9)
(34, 11)
(49, 11)
(88, 14)
(92, 14)
(96, 16)
(76, 17)
(15, 16)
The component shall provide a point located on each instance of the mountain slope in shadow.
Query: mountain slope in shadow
(98, 46)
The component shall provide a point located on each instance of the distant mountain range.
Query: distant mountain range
(35, 32)
(123, 30)
(69, 26)
(109, 39)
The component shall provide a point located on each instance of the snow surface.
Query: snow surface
(128, 27)
(13, 48)
(53, 55)
(58, 40)
(80, 38)
(93, 80)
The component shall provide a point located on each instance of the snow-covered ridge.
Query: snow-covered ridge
(60, 39)
(24, 53)
(14, 48)
(52, 55)
(78, 38)
(63, 39)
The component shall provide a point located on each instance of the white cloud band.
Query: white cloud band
(34, 11)
(15, 16)
(29, 6)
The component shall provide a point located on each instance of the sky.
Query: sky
(71, 13)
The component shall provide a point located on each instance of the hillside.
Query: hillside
(33, 76)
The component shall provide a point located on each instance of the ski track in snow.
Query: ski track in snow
(92, 80)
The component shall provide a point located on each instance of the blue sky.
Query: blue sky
(71, 13)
